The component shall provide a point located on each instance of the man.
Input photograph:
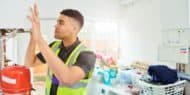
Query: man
(69, 62)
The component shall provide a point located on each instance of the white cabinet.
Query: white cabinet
(174, 20)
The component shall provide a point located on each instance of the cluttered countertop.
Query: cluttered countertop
(112, 80)
(138, 79)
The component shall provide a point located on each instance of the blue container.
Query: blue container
(108, 75)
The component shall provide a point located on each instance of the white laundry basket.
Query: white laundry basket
(176, 88)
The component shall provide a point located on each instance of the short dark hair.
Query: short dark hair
(75, 14)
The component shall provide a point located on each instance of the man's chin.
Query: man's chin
(56, 37)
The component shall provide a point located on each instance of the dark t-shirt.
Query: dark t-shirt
(85, 60)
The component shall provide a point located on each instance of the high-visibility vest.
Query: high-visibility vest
(76, 89)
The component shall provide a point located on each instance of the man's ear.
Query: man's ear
(76, 27)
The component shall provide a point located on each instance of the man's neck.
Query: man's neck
(69, 42)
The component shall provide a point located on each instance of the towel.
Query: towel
(162, 74)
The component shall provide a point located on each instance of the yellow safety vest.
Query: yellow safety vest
(76, 89)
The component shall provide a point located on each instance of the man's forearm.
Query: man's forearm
(55, 64)
(30, 54)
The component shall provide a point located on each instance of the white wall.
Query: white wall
(16, 11)
(13, 13)
(174, 14)
(140, 24)
(140, 31)
(90, 8)
(93, 10)
(189, 12)
(143, 24)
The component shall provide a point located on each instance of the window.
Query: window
(101, 36)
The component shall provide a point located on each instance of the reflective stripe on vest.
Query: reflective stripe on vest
(76, 89)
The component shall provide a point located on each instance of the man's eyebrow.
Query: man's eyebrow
(60, 20)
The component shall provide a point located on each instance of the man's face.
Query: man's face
(65, 28)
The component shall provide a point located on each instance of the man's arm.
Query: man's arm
(66, 75)
(30, 54)
(30, 57)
